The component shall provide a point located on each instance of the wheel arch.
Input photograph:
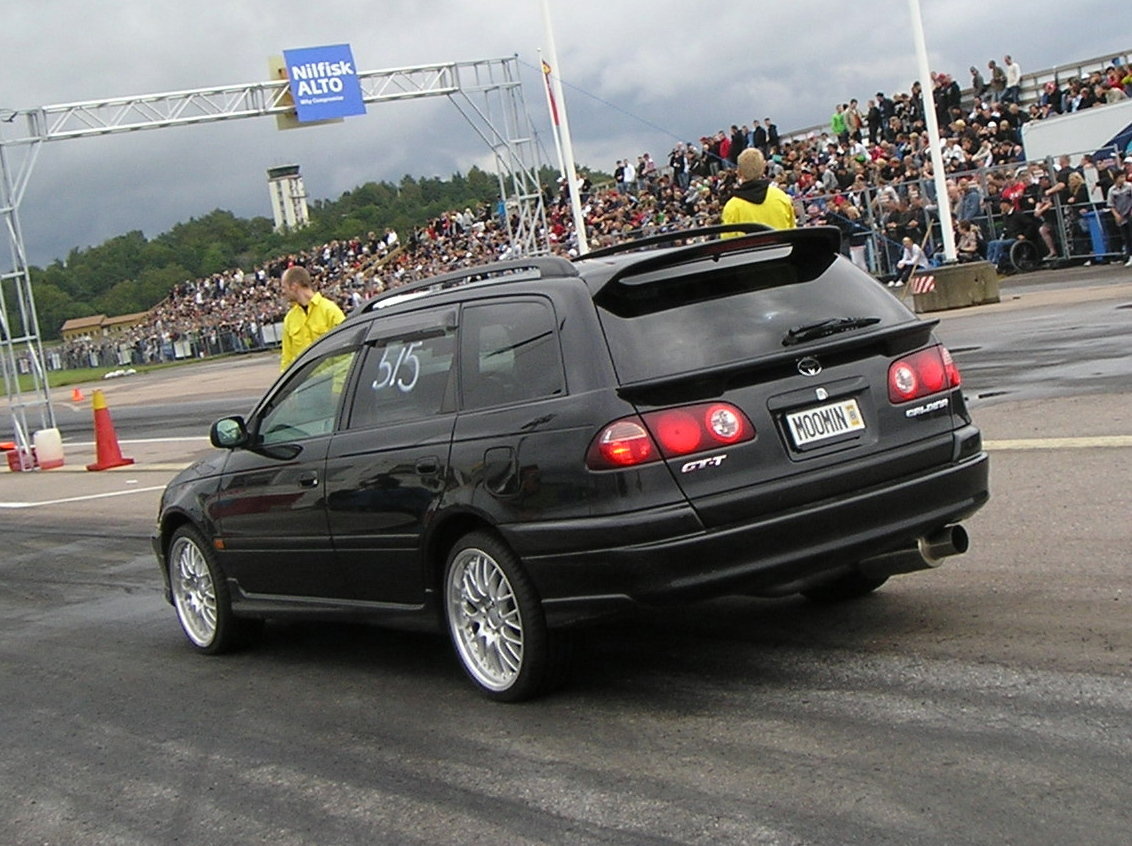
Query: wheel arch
(444, 534)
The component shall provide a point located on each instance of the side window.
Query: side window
(308, 405)
(406, 375)
(509, 353)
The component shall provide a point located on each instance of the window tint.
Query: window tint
(406, 375)
(695, 322)
(509, 353)
(308, 405)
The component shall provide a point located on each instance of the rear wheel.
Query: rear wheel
(200, 595)
(496, 621)
(852, 585)
(1024, 256)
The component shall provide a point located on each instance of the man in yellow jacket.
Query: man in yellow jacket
(757, 200)
(311, 315)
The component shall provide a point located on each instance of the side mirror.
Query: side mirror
(229, 433)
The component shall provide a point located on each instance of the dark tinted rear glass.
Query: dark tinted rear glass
(702, 316)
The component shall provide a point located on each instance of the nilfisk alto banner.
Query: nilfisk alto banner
(324, 82)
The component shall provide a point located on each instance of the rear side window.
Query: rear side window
(406, 375)
(688, 322)
(509, 353)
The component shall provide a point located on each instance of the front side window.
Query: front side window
(308, 405)
(509, 353)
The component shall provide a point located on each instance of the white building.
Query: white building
(288, 197)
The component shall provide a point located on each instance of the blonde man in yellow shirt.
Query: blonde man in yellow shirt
(757, 200)
(311, 315)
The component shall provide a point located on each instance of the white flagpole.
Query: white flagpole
(934, 144)
(564, 130)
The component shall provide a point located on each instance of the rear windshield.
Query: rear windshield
(686, 322)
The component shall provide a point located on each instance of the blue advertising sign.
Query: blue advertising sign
(324, 83)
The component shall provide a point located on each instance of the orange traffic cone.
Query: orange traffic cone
(105, 439)
(76, 395)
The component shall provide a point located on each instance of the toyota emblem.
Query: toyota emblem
(809, 366)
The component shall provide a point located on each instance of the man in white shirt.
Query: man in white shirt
(1013, 92)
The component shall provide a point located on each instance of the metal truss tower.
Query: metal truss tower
(488, 93)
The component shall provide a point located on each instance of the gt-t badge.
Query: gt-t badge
(692, 466)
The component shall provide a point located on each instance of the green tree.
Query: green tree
(129, 273)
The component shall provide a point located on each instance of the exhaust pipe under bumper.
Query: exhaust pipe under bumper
(927, 553)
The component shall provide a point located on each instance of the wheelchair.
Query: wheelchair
(1024, 255)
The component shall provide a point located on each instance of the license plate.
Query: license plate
(824, 422)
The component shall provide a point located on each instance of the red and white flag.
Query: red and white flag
(550, 93)
(923, 284)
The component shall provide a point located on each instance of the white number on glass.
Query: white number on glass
(402, 372)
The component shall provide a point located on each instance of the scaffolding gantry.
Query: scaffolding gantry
(488, 93)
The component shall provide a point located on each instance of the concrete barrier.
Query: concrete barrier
(954, 286)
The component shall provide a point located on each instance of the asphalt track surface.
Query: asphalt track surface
(988, 701)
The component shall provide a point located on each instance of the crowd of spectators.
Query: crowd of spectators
(869, 173)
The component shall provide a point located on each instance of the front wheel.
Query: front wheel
(496, 622)
(200, 595)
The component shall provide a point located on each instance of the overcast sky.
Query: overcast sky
(638, 75)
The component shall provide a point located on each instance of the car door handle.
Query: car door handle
(308, 479)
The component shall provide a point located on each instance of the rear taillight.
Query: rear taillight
(920, 374)
(669, 433)
(624, 443)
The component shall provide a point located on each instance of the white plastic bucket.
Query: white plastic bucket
(48, 448)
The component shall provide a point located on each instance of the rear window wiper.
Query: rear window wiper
(826, 327)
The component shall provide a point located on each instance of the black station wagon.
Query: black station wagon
(508, 450)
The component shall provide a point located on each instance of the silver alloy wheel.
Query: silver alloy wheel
(194, 592)
(484, 617)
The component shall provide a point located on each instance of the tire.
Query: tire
(496, 621)
(1024, 256)
(852, 585)
(201, 598)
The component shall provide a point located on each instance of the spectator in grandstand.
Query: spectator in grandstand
(1081, 95)
(311, 315)
(874, 121)
(1120, 203)
(969, 246)
(1045, 194)
(740, 138)
(759, 137)
(1016, 226)
(678, 162)
(1124, 73)
(1106, 176)
(911, 260)
(773, 141)
(970, 206)
(997, 81)
(978, 85)
(1051, 98)
(854, 120)
(757, 200)
(1013, 92)
(1077, 203)
(1109, 93)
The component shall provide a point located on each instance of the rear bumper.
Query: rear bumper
(674, 564)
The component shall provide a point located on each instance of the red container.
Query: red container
(19, 461)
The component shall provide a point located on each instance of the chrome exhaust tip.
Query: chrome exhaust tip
(950, 540)
(928, 552)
